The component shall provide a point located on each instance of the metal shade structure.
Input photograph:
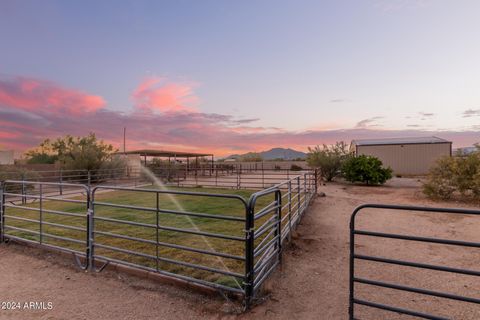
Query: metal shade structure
(169, 154)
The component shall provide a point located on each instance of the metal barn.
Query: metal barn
(406, 156)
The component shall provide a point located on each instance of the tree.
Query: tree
(328, 159)
(44, 153)
(251, 157)
(73, 153)
(366, 169)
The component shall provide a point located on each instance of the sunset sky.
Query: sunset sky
(235, 76)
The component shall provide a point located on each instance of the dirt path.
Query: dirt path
(312, 283)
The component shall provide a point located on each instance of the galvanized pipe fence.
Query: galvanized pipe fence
(233, 249)
(374, 284)
(221, 176)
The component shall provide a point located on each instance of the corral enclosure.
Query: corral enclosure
(212, 229)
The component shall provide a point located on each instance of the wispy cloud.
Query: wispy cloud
(370, 122)
(245, 121)
(471, 113)
(388, 6)
(426, 114)
(337, 100)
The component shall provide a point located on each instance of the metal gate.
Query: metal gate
(353, 300)
(36, 213)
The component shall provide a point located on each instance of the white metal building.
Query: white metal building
(406, 156)
(6, 157)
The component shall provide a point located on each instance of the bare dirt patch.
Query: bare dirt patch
(312, 282)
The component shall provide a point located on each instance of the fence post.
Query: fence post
(61, 181)
(305, 190)
(2, 212)
(157, 236)
(298, 199)
(24, 196)
(249, 253)
(196, 178)
(41, 214)
(263, 177)
(89, 178)
(289, 210)
(278, 232)
(90, 227)
(351, 269)
(316, 180)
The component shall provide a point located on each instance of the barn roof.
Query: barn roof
(389, 141)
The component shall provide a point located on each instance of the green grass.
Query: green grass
(196, 204)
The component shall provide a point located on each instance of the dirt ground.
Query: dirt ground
(312, 282)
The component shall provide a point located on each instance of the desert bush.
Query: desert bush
(165, 169)
(294, 167)
(454, 176)
(440, 183)
(329, 159)
(13, 173)
(115, 168)
(366, 169)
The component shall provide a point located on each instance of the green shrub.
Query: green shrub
(454, 176)
(366, 169)
(329, 159)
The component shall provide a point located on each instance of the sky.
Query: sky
(236, 76)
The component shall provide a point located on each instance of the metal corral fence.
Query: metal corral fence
(217, 176)
(357, 279)
(229, 242)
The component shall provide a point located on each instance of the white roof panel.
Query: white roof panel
(412, 140)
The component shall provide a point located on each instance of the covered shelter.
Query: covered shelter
(175, 155)
(406, 156)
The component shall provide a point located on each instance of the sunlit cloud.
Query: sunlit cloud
(23, 124)
(158, 94)
(38, 96)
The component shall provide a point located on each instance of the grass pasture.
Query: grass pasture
(114, 233)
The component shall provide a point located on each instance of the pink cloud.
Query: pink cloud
(24, 124)
(9, 135)
(36, 96)
(161, 95)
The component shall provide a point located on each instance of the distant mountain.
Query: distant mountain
(272, 154)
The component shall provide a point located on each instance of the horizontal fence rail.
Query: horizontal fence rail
(224, 241)
(353, 300)
(235, 176)
(41, 218)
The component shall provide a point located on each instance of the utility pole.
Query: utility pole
(124, 138)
